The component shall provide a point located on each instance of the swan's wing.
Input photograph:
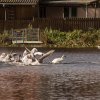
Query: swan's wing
(45, 55)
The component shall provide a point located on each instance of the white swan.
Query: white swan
(36, 62)
(38, 53)
(58, 60)
(30, 60)
(33, 50)
(98, 46)
(2, 56)
(7, 58)
(27, 60)
(40, 60)
(25, 53)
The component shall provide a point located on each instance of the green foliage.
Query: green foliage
(76, 38)
(5, 38)
(57, 38)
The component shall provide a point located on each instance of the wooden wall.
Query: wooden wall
(24, 12)
(18, 12)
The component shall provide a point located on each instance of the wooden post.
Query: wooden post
(22, 37)
(95, 10)
(16, 37)
(5, 16)
(38, 34)
(70, 12)
(86, 10)
(5, 12)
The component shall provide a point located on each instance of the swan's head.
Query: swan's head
(63, 56)
(34, 50)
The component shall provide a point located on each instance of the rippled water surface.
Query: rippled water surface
(76, 78)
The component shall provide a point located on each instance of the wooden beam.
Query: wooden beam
(86, 11)
(5, 16)
(95, 10)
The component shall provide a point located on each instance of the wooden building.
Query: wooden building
(19, 13)
(29, 9)
(71, 8)
(18, 9)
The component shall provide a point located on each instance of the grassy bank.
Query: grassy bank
(56, 38)
(73, 39)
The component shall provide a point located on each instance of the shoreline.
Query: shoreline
(64, 49)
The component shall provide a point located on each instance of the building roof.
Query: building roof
(69, 1)
(30, 2)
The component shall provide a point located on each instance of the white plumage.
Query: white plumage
(28, 57)
(33, 50)
(58, 60)
(25, 53)
(27, 60)
(36, 62)
(38, 53)
(2, 56)
(98, 46)
(7, 58)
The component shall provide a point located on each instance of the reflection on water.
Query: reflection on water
(45, 83)
(78, 78)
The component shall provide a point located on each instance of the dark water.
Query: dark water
(76, 78)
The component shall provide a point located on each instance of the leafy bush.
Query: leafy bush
(76, 38)
(5, 38)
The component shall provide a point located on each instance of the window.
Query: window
(70, 12)
(42, 12)
(66, 12)
(73, 12)
(10, 11)
(2, 13)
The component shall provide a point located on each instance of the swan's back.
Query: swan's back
(58, 60)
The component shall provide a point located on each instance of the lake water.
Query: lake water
(76, 78)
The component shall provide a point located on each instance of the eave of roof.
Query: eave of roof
(69, 1)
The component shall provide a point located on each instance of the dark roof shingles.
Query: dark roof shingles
(19, 1)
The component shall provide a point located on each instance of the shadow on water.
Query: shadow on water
(76, 78)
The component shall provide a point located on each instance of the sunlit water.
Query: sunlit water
(76, 78)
